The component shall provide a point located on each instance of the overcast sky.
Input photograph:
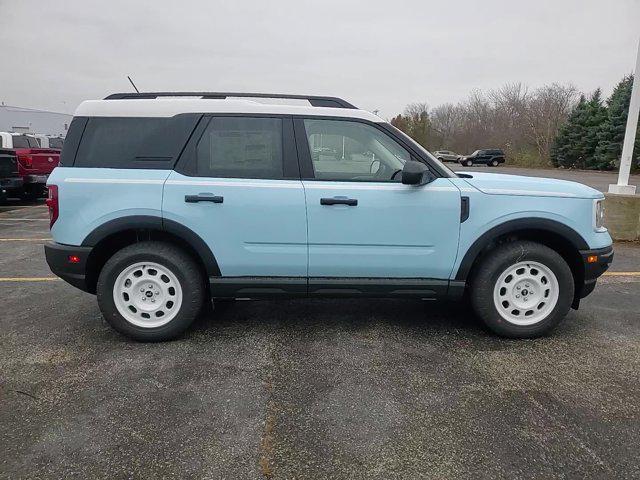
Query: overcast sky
(376, 54)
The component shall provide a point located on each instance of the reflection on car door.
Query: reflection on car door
(238, 188)
(361, 227)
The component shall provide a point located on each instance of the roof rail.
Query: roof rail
(314, 100)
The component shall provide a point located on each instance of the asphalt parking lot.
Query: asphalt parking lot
(311, 389)
(598, 180)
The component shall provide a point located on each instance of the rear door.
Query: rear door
(237, 186)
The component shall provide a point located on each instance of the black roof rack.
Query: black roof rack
(314, 100)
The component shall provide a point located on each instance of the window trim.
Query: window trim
(304, 153)
(186, 164)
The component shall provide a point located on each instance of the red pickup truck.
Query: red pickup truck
(34, 163)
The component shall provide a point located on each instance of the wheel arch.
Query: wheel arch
(558, 236)
(115, 234)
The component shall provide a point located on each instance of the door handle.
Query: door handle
(203, 197)
(352, 202)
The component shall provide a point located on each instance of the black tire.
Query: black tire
(497, 261)
(468, 163)
(181, 265)
(28, 195)
(494, 163)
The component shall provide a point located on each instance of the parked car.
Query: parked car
(34, 163)
(49, 141)
(161, 203)
(10, 180)
(446, 156)
(493, 158)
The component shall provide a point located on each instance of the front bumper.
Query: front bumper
(595, 263)
(74, 273)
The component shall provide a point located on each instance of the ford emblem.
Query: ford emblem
(50, 160)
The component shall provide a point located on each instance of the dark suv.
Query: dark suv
(489, 157)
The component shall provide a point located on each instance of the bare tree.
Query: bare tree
(512, 117)
(547, 110)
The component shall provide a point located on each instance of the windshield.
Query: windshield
(22, 141)
(56, 143)
(442, 166)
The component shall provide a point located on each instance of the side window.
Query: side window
(20, 141)
(56, 143)
(241, 147)
(133, 142)
(353, 151)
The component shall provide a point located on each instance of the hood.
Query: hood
(505, 184)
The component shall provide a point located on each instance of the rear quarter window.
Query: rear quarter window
(133, 142)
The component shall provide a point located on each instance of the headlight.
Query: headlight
(598, 212)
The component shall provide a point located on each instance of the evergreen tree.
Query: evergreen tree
(566, 150)
(576, 142)
(611, 134)
(595, 117)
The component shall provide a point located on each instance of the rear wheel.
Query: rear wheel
(522, 289)
(150, 291)
(494, 163)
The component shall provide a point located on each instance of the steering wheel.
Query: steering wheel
(393, 177)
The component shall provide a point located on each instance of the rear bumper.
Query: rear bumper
(74, 273)
(36, 178)
(11, 184)
(595, 263)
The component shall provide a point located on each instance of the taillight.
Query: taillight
(26, 160)
(52, 203)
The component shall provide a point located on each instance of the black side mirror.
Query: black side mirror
(416, 173)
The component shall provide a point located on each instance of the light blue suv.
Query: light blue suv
(165, 200)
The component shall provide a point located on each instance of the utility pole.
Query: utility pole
(623, 186)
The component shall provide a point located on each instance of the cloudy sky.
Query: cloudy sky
(377, 54)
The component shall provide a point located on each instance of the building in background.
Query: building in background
(30, 120)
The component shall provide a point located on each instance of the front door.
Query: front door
(366, 229)
(238, 188)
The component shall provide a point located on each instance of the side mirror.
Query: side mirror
(416, 173)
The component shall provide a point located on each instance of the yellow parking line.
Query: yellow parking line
(24, 239)
(29, 279)
(622, 274)
(4, 219)
(6, 208)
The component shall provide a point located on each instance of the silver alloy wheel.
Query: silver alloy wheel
(526, 293)
(147, 294)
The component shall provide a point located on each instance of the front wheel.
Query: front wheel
(522, 289)
(468, 163)
(494, 163)
(150, 291)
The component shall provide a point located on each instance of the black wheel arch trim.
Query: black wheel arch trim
(141, 222)
(514, 226)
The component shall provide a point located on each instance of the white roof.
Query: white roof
(168, 107)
